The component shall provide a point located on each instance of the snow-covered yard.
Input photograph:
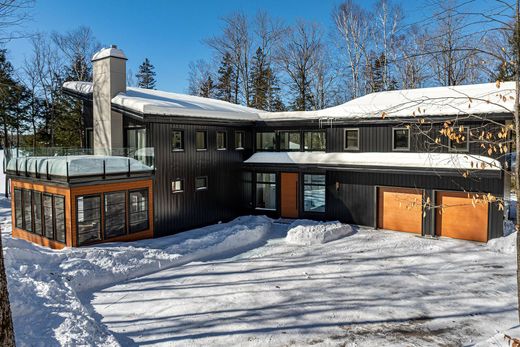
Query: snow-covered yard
(247, 283)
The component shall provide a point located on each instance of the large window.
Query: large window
(221, 140)
(239, 140)
(314, 141)
(89, 218)
(266, 191)
(314, 193)
(461, 141)
(266, 141)
(115, 214)
(27, 210)
(37, 211)
(201, 140)
(351, 139)
(290, 141)
(401, 139)
(138, 211)
(136, 138)
(177, 140)
(48, 216)
(59, 219)
(18, 219)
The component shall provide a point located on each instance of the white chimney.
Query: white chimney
(109, 77)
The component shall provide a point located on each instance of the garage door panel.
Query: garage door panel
(400, 209)
(458, 217)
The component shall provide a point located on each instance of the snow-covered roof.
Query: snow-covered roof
(422, 102)
(81, 165)
(109, 52)
(458, 161)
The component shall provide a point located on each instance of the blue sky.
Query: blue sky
(169, 33)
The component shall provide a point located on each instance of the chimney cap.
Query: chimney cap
(112, 51)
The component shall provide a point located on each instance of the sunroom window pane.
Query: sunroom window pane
(89, 218)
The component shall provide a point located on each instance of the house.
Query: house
(371, 161)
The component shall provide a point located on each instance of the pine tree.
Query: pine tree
(207, 88)
(146, 75)
(274, 99)
(259, 81)
(226, 76)
(9, 92)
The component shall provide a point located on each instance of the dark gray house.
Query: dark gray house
(372, 161)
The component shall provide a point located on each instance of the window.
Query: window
(266, 141)
(177, 140)
(48, 216)
(89, 218)
(314, 193)
(247, 189)
(59, 213)
(27, 210)
(290, 141)
(314, 141)
(401, 139)
(115, 214)
(461, 141)
(221, 140)
(201, 183)
(136, 138)
(138, 212)
(18, 219)
(177, 186)
(266, 191)
(201, 140)
(37, 210)
(351, 139)
(239, 139)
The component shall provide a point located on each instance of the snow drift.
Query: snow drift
(308, 232)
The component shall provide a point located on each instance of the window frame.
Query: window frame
(205, 133)
(460, 150)
(324, 185)
(198, 189)
(104, 216)
(345, 142)
(18, 208)
(52, 222)
(289, 132)
(224, 133)
(257, 182)
(101, 223)
(182, 185)
(311, 149)
(243, 140)
(26, 192)
(35, 208)
(261, 149)
(129, 230)
(407, 149)
(54, 196)
(183, 147)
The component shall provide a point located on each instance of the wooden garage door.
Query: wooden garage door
(400, 209)
(459, 218)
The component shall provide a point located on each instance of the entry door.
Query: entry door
(289, 192)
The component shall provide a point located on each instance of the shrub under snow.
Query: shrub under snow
(307, 232)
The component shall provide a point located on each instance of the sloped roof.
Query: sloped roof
(485, 98)
(457, 161)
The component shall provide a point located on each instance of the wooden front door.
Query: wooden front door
(461, 218)
(289, 192)
(400, 209)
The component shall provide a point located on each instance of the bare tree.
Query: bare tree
(411, 66)
(198, 74)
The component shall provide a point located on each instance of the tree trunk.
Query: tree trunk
(6, 321)
(517, 149)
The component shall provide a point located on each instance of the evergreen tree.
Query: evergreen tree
(226, 76)
(260, 73)
(274, 99)
(207, 88)
(9, 95)
(146, 75)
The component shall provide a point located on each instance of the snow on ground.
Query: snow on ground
(48, 289)
(308, 232)
(371, 288)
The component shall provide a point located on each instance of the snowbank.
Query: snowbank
(46, 286)
(307, 232)
(502, 339)
(506, 244)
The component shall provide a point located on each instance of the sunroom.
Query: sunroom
(70, 201)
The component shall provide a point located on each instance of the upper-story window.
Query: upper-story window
(351, 139)
(460, 141)
(290, 141)
(201, 183)
(266, 141)
(400, 139)
(240, 137)
(221, 140)
(201, 140)
(177, 140)
(314, 141)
